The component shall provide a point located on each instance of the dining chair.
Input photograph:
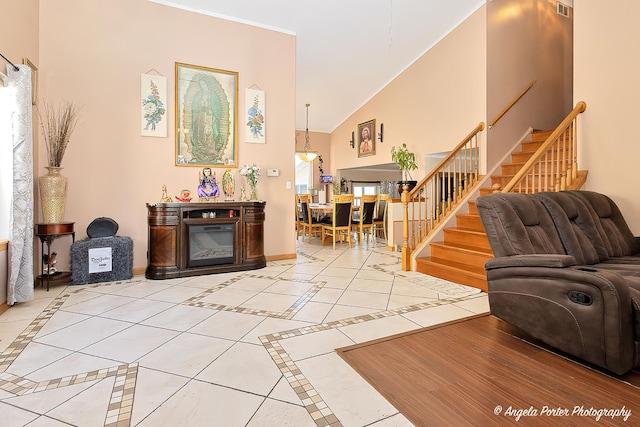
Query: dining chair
(365, 221)
(381, 215)
(298, 218)
(309, 224)
(341, 219)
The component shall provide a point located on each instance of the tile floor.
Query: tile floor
(252, 348)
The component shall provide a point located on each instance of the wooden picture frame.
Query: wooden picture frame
(153, 108)
(34, 80)
(206, 116)
(366, 138)
(255, 123)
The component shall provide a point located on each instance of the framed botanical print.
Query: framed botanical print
(366, 141)
(255, 106)
(153, 92)
(206, 116)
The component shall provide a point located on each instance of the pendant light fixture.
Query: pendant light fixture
(307, 155)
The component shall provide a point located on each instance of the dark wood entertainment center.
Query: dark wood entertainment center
(171, 253)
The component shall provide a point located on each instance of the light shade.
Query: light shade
(308, 156)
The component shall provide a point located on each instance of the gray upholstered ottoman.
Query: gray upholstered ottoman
(101, 259)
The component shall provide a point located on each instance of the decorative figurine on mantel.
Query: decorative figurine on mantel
(228, 184)
(208, 188)
(165, 197)
(243, 197)
(185, 196)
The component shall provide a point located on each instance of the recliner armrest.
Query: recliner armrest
(531, 260)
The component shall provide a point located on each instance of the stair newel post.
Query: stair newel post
(406, 252)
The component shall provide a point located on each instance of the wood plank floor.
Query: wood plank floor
(461, 372)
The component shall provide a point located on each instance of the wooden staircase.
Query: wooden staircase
(461, 256)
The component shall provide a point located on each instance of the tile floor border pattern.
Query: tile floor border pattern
(121, 401)
(319, 411)
(287, 314)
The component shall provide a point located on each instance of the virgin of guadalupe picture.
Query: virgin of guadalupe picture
(228, 184)
(206, 123)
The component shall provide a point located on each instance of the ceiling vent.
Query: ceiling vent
(562, 9)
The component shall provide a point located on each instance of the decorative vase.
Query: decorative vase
(410, 184)
(53, 195)
(254, 194)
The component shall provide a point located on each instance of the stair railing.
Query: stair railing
(512, 103)
(439, 193)
(554, 166)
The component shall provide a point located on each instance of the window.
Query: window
(304, 175)
(363, 189)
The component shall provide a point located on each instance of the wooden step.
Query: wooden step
(503, 180)
(453, 272)
(473, 209)
(461, 254)
(523, 156)
(514, 168)
(534, 144)
(540, 135)
(459, 236)
(469, 222)
(531, 145)
(486, 190)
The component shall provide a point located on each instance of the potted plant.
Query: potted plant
(406, 160)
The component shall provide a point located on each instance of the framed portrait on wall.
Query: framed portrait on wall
(366, 141)
(206, 116)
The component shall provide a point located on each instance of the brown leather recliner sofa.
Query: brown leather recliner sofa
(567, 272)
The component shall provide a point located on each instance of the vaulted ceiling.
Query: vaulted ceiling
(346, 50)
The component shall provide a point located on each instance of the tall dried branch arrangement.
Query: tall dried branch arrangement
(57, 125)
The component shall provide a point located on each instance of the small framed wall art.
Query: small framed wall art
(255, 122)
(366, 141)
(153, 114)
(206, 116)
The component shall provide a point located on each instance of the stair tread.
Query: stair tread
(475, 271)
(511, 176)
(464, 230)
(467, 215)
(522, 163)
(463, 248)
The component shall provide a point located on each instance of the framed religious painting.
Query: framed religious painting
(206, 116)
(366, 141)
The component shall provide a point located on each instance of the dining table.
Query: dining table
(319, 210)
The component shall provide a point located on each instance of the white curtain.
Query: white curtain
(20, 283)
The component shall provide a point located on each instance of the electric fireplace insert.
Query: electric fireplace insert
(211, 244)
